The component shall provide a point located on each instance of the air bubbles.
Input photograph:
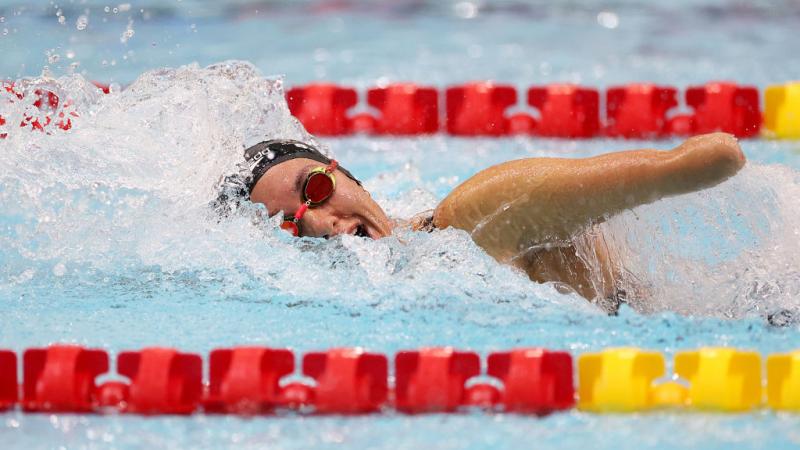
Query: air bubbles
(82, 22)
(70, 54)
(53, 58)
(608, 19)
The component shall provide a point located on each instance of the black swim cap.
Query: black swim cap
(268, 154)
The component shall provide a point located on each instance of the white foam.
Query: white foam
(730, 251)
(126, 191)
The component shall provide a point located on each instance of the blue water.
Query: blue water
(106, 239)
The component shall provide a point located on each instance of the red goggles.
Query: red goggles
(318, 187)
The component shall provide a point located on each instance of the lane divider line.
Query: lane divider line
(260, 380)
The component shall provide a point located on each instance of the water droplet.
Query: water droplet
(70, 54)
(116, 10)
(608, 20)
(465, 10)
(128, 33)
(59, 270)
(82, 23)
(5, 31)
(270, 155)
(62, 20)
(107, 9)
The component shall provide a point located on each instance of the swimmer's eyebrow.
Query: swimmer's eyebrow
(301, 177)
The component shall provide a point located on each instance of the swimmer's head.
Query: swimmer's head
(279, 170)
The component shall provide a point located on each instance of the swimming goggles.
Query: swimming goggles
(318, 187)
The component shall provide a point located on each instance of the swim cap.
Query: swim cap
(268, 154)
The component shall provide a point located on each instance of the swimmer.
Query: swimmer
(527, 213)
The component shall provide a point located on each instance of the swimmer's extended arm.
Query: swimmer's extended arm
(513, 206)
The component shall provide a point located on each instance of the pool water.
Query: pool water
(106, 238)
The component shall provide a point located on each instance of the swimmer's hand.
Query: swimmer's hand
(520, 204)
(704, 161)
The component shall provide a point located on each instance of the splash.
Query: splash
(120, 203)
(123, 198)
(730, 251)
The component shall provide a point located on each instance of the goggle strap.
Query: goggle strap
(332, 166)
(301, 211)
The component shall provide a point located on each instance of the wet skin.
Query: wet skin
(350, 210)
(526, 213)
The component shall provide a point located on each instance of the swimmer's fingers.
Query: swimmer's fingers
(708, 159)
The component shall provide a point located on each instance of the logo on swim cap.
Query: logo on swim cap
(268, 154)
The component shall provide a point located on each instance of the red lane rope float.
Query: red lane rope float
(567, 110)
(348, 380)
(535, 380)
(433, 379)
(163, 381)
(725, 107)
(60, 378)
(639, 110)
(247, 380)
(405, 109)
(8, 379)
(478, 109)
(51, 109)
(322, 107)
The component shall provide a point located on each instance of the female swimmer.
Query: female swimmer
(526, 213)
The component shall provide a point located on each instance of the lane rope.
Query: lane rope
(486, 108)
(262, 380)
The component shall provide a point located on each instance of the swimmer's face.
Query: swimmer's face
(350, 210)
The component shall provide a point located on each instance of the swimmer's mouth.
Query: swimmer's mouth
(361, 231)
